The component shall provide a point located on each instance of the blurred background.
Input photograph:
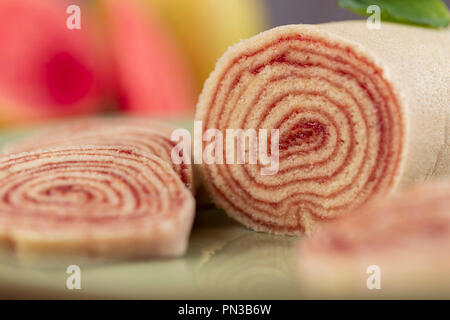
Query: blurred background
(147, 57)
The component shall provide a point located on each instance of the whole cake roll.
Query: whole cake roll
(95, 201)
(359, 113)
(399, 244)
(147, 135)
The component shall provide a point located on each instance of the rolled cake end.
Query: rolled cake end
(140, 133)
(100, 202)
(341, 128)
(403, 240)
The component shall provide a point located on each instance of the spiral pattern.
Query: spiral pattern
(93, 200)
(407, 235)
(341, 128)
(143, 134)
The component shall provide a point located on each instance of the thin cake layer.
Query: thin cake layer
(146, 135)
(98, 201)
(406, 236)
(341, 128)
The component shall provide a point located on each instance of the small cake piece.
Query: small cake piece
(359, 112)
(97, 201)
(144, 134)
(404, 240)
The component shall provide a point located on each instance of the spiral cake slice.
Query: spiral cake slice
(97, 201)
(146, 135)
(406, 236)
(359, 112)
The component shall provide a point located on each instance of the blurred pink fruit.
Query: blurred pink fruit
(46, 70)
(150, 73)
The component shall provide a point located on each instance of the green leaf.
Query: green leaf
(429, 13)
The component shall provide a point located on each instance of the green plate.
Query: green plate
(224, 260)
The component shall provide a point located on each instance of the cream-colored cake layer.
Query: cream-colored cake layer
(360, 112)
(94, 201)
(399, 244)
(141, 133)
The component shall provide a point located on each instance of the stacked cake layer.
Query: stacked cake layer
(93, 200)
(397, 243)
(357, 114)
(98, 188)
(146, 135)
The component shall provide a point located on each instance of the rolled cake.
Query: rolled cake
(360, 112)
(146, 135)
(406, 236)
(96, 201)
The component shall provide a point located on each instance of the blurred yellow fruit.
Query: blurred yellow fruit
(205, 28)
